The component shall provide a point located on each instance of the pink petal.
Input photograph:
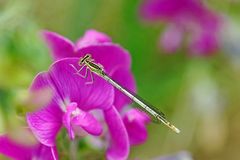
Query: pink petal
(135, 122)
(54, 153)
(60, 46)
(45, 153)
(22, 152)
(172, 38)
(67, 119)
(171, 10)
(91, 37)
(125, 78)
(160, 9)
(204, 44)
(119, 142)
(110, 56)
(72, 87)
(98, 44)
(88, 122)
(43, 82)
(45, 124)
(75, 117)
(14, 150)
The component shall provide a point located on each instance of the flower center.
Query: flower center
(76, 112)
(79, 122)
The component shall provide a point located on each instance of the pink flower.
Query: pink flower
(19, 151)
(73, 100)
(116, 62)
(185, 16)
(115, 59)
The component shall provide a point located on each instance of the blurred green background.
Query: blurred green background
(199, 94)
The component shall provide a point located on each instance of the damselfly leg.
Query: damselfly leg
(92, 78)
(85, 75)
(79, 70)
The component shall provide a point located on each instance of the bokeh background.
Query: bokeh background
(201, 95)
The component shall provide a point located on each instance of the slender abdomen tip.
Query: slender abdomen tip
(175, 129)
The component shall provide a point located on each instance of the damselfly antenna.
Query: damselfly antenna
(99, 70)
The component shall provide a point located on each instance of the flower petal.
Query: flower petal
(14, 150)
(204, 44)
(110, 56)
(125, 78)
(91, 37)
(67, 119)
(54, 152)
(119, 142)
(45, 152)
(75, 117)
(172, 38)
(72, 87)
(161, 9)
(42, 83)
(135, 122)
(60, 46)
(46, 122)
(88, 123)
(98, 44)
(172, 10)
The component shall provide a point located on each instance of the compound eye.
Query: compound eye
(81, 61)
(88, 55)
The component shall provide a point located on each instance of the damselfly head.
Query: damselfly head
(83, 59)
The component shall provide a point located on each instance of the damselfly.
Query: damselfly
(98, 69)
